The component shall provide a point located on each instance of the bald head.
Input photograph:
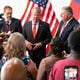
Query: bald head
(13, 69)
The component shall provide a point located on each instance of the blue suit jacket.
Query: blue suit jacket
(72, 25)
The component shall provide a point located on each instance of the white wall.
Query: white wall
(58, 4)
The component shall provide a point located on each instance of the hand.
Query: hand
(37, 45)
(9, 33)
(1, 38)
(2, 34)
(28, 45)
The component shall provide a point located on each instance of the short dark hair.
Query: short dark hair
(56, 46)
(74, 40)
(7, 7)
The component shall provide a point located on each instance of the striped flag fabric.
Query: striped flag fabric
(47, 14)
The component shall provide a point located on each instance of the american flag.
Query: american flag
(47, 14)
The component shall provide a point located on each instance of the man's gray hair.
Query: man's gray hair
(68, 9)
(37, 9)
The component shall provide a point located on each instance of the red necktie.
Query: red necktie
(34, 31)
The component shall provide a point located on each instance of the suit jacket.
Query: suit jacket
(15, 25)
(72, 25)
(43, 35)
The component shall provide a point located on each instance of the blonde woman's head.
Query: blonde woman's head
(16, 45)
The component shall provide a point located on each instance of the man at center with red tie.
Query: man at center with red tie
(37, 45)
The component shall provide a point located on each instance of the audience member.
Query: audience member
(56, 54)
(69, 69)
(16, 47)
(13, 69)
(67, 25)
(37, 35)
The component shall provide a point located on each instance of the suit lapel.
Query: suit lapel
(30, 30)
(68, 27)
(4, 26)
(60, 26)
(39, 31)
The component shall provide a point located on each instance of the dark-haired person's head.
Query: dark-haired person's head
(56, 46)
(74, 41)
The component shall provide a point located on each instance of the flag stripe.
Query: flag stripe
(29, 15)
(42, 13)
(52, 19)
(27, 12)
(28, 1)
(48, 13)
(54, 30)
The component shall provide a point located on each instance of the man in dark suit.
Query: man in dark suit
(8, 25)
(13, 24)
(66, 26)
(37, 44)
